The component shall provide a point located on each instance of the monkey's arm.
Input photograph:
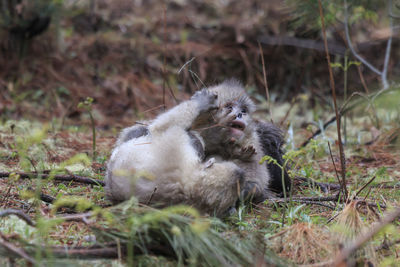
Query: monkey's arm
(184, 114)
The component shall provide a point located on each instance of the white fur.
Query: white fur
(164, 166)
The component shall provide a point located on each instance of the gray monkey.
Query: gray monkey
(231, 134)
(237, 137)
(163, 163)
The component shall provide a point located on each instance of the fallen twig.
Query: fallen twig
(321, 199)
(303, 201)
(364, 186)
(16, 251)
(47, 198)
(57, 177)
(102, 251)
(79, 217)
(317, 132)
(19, 213)
(342, 184)
(265, 82)
(325, 187)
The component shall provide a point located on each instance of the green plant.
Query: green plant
(87, 105)
(345, 67)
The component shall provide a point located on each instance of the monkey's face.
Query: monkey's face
(235, 118)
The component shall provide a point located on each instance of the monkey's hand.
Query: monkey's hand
(206, 100)
(236, 151)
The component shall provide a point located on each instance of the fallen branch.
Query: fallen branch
(47, 198)
(325, 187)
(366, 235)
(57, 177)
(308, 201)
(79, 217)
(19, 213)
(317, 132)
(315, 200)
(321, 199)
(106, 251)
(364, 186)
(19, 252)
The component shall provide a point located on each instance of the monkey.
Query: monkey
(163, 164)
(231, 134)
(244, 140)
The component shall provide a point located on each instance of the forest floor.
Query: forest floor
(305, 230)
(133, 63)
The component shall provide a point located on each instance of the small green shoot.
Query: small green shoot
(87, 105)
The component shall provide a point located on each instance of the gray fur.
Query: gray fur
(210, 184)
(164, 165)
(245, 149)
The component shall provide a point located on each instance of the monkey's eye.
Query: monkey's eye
(244, 110)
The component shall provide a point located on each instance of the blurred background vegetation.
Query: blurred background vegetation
(132, 57)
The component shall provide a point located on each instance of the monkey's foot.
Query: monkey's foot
(207, 100)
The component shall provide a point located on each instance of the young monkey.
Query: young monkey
(228, 134)
(163, 163)
(237, 137)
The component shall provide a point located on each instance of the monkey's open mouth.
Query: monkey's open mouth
(237, 125)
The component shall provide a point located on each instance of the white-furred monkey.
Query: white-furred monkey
(199, 155)
(163, 164)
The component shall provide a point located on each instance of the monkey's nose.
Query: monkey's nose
(239, 115)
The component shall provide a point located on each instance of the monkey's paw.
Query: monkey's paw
(237, 151)
(207, 100)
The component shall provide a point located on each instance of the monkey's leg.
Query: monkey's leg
(216, 189)
(132, 132)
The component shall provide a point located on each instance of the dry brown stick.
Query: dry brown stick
(86, 253)
(332, 84)
(370, 204)
(79, 217)
(57, 177)
(317, 132)
(364, 186)
(16, 251)
(322, 199)
(284, 200)
(19, 213)
(265, 81)
(348, 250)
(101, 251)
(47, 198)
(343, 110)
(334, 166)
(283, 120)
(364, 84)
(324, 186)
(151, 197)
(164, 50)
